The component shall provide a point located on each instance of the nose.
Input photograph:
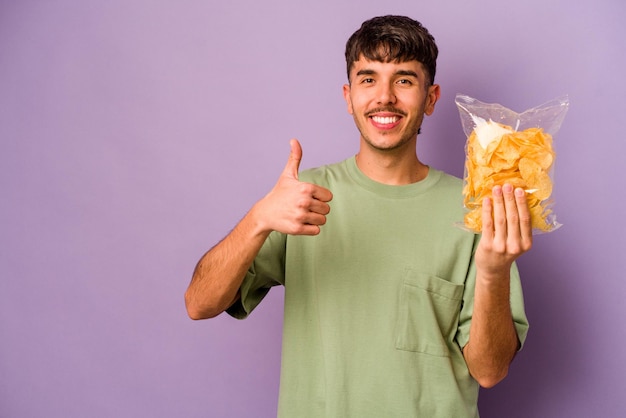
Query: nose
(386, 94)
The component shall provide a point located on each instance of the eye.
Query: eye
(367, 80)
(405, 82)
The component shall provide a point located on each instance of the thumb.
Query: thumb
(293, 164)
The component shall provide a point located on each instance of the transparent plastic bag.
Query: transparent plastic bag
(508, 147)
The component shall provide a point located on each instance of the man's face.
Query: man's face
(388, 101)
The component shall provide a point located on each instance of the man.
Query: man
(390, 310)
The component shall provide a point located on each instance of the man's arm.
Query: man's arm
(291, 207)
(506, 235)
(219, 273)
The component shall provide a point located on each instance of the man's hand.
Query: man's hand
(294, 207)
(506, 233)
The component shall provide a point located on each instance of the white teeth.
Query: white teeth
(385, 120)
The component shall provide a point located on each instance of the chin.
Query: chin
(387, 146)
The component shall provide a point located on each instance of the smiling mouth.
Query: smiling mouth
(385, 117)
(385, 120)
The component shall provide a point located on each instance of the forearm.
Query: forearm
(506, 234)
(493, 339)
(219, 273)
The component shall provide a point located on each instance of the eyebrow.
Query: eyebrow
(399, 72)
(407, 72)
(365, 72)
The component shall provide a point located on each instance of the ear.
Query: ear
(346, 96)
(434, 92)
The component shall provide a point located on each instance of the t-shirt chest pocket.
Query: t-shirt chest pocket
(428, 314)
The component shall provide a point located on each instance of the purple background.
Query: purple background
(135, 134)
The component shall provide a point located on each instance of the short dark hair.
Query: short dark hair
(393, 39)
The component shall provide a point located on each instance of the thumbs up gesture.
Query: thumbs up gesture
(294, 207)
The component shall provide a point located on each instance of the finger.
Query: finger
(293, 164)
(512, 213)
(499, 215)
(307, 224)
(526, 229)
(318, 206)
(322, 194)
(307, 229)
(313, 218)
(315, 191)
(487, 218)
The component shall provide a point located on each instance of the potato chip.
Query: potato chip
(520, 158)
(536, 178)
(508, 147)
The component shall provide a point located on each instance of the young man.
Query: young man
(390, 310)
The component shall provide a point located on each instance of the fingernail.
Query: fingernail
(507, 188)
(519, 192)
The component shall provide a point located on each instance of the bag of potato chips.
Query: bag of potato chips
(508, 147)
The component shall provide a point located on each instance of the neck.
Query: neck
(392, 168)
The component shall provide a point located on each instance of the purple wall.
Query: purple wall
(134, 134)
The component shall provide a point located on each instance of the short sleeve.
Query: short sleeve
(267, 270)
(517, 306)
